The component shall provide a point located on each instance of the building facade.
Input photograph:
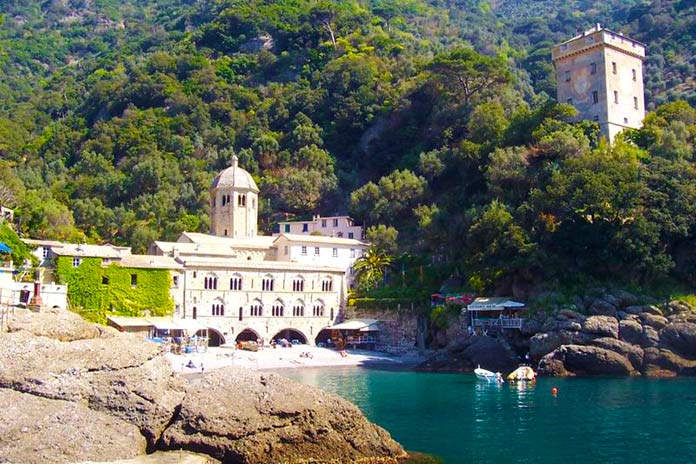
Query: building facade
(245, 286)
(600, 73)
(332, 226)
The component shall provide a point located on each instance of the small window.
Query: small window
(175, 281)
(613, 67)
(304, 250)
(352, 253)
(105, 280)
(305, 227)
(76, 262)
(633, 71)
(595, 97)
(567, 76)
(225, 232)
(625, 120)
(635, 102)
(134, 280)
(194, 274)
(595, 118)
(44, 252)
(351, 235)
(287, 228)
(616, 96)
(334, 252)
(323, 223)
(316, 251)
(593, 68)
(335, 222)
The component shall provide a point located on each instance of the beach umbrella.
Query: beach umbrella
(4, 248)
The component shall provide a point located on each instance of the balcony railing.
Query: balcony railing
(499, 322)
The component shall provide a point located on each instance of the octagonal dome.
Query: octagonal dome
(234, 177)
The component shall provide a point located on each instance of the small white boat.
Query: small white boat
(489, 376)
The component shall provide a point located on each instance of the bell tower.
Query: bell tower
(234, 203)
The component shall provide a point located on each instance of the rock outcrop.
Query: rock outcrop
(71, 391)
(637, 339)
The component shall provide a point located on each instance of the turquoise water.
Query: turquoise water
(462, 420)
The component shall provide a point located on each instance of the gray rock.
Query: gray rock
(654, 321)
(40, 430)
(630, 331)
(664, 363)
(165, 457)
(602, 307)
(680, 338)
(591, 360)
(633, 353)
(552, 365)
(274, 420)
(570, 314)
(650, 337)
(605, 326)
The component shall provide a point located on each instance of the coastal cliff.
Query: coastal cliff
(72, 391)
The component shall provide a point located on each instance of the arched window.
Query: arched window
(318, 309)
(298, 309)
(298, 284)
(327, 284)
(236, 282)
(256, 308)
(277, 309)
(218, 308)
(210, 282)
(267, 283)
(224, 200)
(241, 200)
(195, 312)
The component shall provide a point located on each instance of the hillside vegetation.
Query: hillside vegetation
(433, 122)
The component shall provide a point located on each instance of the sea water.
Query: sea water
(464, 420)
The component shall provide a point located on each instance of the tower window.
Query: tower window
(616, 96)
(595, 97)
(613, 67)
(635, 102)
(224, 199)
(633, 71)
(241, 200)
(567, 76)
(593, 68)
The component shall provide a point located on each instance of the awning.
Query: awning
(493, 304)
(363, 325)
(4, 248)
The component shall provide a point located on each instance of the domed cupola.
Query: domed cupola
(233, 203)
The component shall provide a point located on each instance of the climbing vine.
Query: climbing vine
(96, 291)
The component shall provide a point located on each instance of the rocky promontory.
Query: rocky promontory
(72, 391)
(618, 339)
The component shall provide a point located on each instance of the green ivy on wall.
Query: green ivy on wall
(96, 291)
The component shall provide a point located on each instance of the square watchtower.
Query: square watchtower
(600, 73)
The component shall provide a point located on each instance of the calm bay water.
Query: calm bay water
(462, 420)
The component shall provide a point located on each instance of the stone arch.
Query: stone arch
(215, 338)
(323, 338)
(248, 335)
(291, 334)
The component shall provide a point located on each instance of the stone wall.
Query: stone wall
(399, 326)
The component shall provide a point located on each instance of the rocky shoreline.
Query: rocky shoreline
(72, 391)
(613, 335)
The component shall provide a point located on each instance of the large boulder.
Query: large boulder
(653, 320)
(664, 363)
(124, 376)
(586, 360)
(41, 430)
(680, 338)
(633, 353)
(240, 415)
(638, 309)
(603, 326)
(544, 343)
(602, 307)
(650, 337)
(630, 331)
(53, 323)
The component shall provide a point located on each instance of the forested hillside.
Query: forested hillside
(433, 122)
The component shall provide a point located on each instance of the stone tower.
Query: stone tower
(600, 73)
(234, 200)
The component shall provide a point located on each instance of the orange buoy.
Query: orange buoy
(554, 391)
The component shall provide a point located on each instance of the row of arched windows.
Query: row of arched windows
(267, 284)
(277, 310)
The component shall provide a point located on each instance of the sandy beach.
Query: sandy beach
(298, 356)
